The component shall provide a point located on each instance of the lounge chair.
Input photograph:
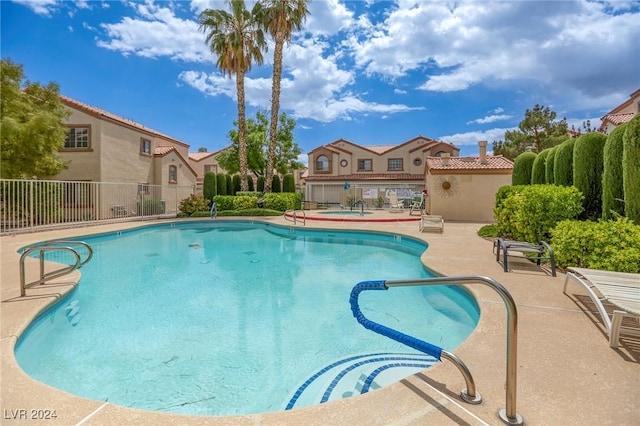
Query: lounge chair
(620, 289)
(394, 204)
(430, 221)
(543, 251)
(417, 204)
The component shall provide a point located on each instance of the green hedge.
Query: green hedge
(192, 204)
(283, 201)
(530, 212)
(275, 184)
(288, 183)
(221, 184)
(549, 166)
(612, 188)
(522, 168)
(538, 170)
(631, 169)
(209, 186)
(563, 163)
(587, 172)
(606, 245)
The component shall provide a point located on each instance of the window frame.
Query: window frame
(362, 163)
(73, 128)
(173, 170)
(321, 169)
(143, 144)
(395, 169)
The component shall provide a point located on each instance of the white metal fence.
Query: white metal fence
(31, 205)
(372, 194)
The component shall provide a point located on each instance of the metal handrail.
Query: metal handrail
(213, 213)
(355, 203)
(294, 216)
(508, 415)
(52, 246)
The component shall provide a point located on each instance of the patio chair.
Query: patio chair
(430, 221)
(620, 289)
(542, 250)
(417, 204)
(394, 203)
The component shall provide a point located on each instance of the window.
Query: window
(145, 146)
(322, 163)
(439, 153)
(366, 165)
(395, 164)
(77, 138)
(173, 174)
(210, 168)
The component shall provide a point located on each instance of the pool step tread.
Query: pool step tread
(357, 375)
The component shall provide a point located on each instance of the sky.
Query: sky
(371, 72)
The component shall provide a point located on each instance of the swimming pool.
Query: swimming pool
(220, 318)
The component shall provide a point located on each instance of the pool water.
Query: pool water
(221, 318)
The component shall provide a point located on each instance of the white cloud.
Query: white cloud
(472, 138)
(490, 119)
(41, 7)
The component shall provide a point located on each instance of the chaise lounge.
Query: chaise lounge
(620, 289)
(543, 251)
(430, 221)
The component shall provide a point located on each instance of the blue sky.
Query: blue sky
(372, 72)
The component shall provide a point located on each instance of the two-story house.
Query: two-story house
(103, 147)
(621, 114)
(205, 162)
(343, 171)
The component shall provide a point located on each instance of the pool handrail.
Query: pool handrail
(508, 415)
(355, 203)
(213, 213)
(294, 216)
(57, 245)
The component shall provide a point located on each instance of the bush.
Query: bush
(236, 184)
(538, 169)
(631, 169)
(229, 180)
(522, 168)
(489, 231)
(260, 186)
(150, 207)
(549, 166)
(587, 172)
(282, 201)
(612, 187)
(221, 184)
(224, 202)
(250, 212)
(250, 183)
(288, 183)
(244, 202)
(530, 212)
(275, 184)
(209, 186)
(563, 163)
(194, 203)
(606, 245)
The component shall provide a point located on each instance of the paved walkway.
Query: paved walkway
(566, 372)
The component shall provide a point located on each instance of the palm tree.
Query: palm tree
(238, 42)
(280, 18)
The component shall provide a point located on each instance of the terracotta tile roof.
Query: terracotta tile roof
(380, 149)
(618, 119)
(366, 177)
(497, 162)
(198, 156)
(162, 150)
(102, 114)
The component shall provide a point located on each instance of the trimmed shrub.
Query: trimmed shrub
(587, 172)
(275, 184)
(607, 245)
(563, 163)
(209, 186)
(194, 203)
(250, 212)
(532, 211)
(549, 166)
(236, 184)
(282, 201)
(288, 183)
(522, 168)
(243, 202)
(612, 187)
(260, 186)
(502, 194)
(631, 169)
(149, 207)
(221, 183)
(250, 183)
(538, 170)
(224, 202)
(229, 180)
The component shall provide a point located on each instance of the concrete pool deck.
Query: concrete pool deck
(567, 373)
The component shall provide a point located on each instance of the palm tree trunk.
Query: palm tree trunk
(242, 137)
(275, 107)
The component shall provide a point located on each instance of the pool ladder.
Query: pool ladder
(508, 415)
(53, 246)
(294, 216)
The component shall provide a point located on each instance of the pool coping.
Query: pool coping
(562, 351)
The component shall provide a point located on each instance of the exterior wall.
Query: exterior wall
(83, 164)
(471, 197)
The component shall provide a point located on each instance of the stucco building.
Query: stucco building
(621, 114)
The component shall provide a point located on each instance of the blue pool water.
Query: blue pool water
(221, 318)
